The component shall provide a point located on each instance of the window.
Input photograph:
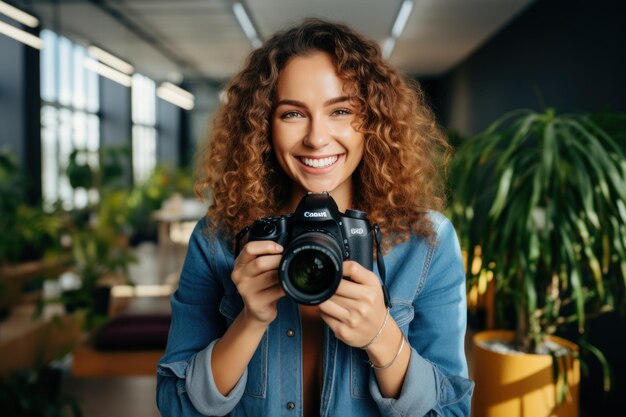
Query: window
(69, 119)
(144, 131)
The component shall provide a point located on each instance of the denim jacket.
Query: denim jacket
(426, 284)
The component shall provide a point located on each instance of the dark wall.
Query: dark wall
(566, 54)
(20, 107)
(11, 95)
(115, 119)
(168, 132)
(115, 114)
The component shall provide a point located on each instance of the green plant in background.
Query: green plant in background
(27, 232)
(164, 181)
(96, 256)
(112, 161)
(79, 172)
(128, 210)
(612, 123)
(35, 393)
(544, 198)
(99, 232)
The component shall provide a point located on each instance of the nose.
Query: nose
(318, 134)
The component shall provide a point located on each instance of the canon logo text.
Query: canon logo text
(315, 214)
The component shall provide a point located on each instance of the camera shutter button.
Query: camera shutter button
(356, 214)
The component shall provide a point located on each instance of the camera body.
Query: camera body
(316, 238)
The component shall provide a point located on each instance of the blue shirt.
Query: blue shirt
(426, 284)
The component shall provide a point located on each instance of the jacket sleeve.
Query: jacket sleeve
(185, 385)
(436, 382)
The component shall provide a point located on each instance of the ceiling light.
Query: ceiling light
(18, 15)
(388, 46)
(108, 72)
(398, 27)
(19, 35)
(402, 18)
(246, 24)
(111, 60)
(176, 95)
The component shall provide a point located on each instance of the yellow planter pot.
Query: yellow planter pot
(520, 385)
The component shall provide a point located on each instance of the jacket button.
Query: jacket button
(291, 333)
(291, 405)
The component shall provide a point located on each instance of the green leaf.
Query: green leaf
(543, 195)
(503, 190)
(606, 370)
(574, 275)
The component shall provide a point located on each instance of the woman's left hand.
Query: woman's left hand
(357, 310)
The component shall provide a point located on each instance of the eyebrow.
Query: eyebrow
(297, 103)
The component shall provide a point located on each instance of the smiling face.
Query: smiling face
(312, 129)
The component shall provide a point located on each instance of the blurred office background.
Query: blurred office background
(102, 105)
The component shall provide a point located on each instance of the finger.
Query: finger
(358, 273)
(256, 248)
(262, 264)
(258, 283)
(259, 265)
(335, 310)
(332, 322)
(347, 303)
(354, 313)
(366, 294)
(350, 289)
(263, 304)
(272, 294)
(336, 326)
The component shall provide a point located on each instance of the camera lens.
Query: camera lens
(310, 270)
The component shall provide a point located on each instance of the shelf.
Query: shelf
(26, 341)
(32, 269)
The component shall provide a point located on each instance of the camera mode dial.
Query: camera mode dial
(356, 214)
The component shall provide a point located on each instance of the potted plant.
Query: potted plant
(539, 202)
(100, 231)
(146, 199)
(27, 231)
(98, 261)
(30, 237)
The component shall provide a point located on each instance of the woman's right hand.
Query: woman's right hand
(255, 275)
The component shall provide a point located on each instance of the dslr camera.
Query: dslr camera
(316, 238)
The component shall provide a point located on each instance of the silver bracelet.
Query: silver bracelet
(393, 360)
(382, 326)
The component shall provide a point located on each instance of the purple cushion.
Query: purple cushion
(134, 332)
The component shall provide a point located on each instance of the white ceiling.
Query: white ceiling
(201, 39)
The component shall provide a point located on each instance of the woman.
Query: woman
(317, 109)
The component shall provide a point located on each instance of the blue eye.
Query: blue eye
(290, 115)
(342, 112)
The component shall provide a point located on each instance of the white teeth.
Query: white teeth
(320, 163)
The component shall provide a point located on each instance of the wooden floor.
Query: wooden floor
(115, 396)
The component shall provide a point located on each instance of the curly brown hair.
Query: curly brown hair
(400, 177)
